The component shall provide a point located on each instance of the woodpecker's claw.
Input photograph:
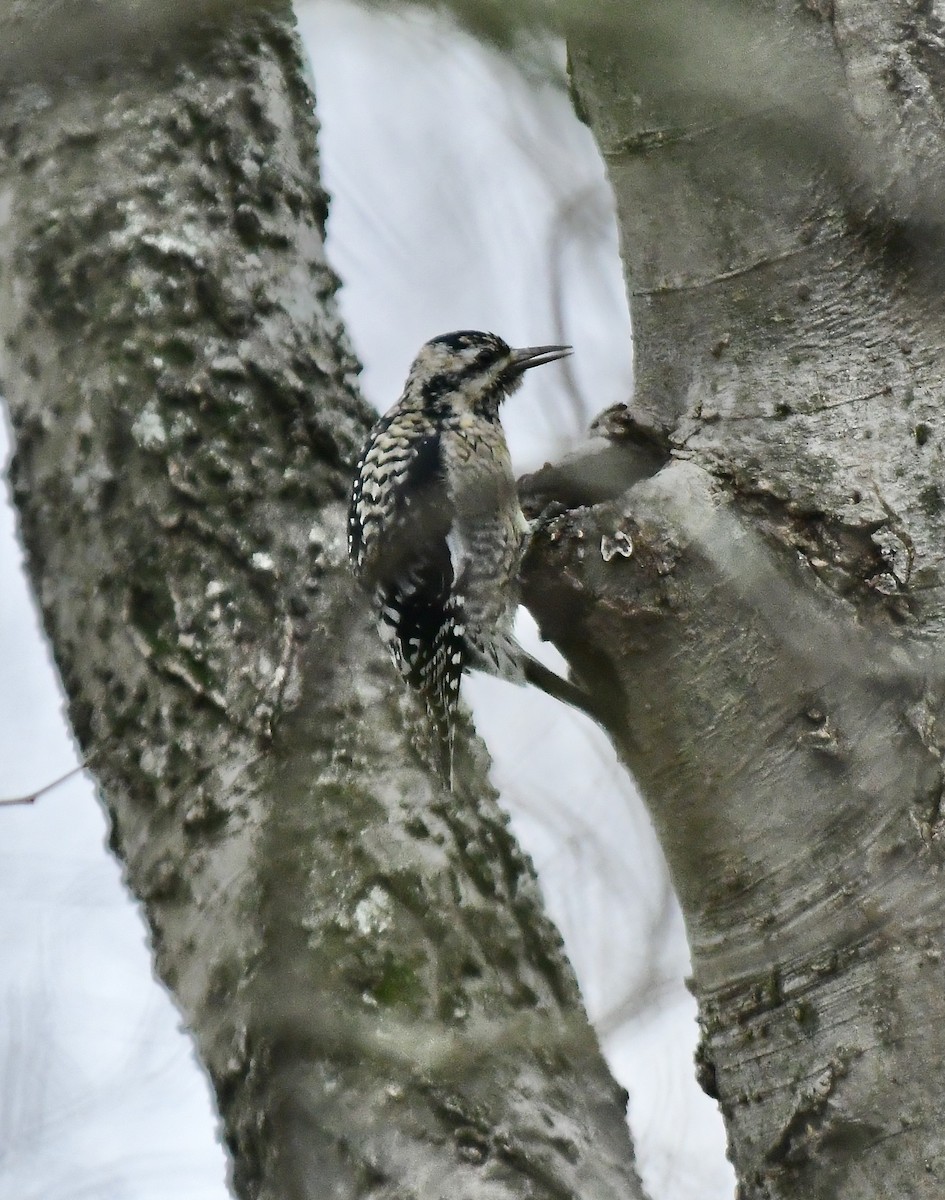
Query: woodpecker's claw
(550, 513)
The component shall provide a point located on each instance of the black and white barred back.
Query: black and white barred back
(435, 529)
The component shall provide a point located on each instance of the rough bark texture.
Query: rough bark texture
(765, 611)
(363, 959)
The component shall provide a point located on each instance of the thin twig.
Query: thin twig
(31, 797)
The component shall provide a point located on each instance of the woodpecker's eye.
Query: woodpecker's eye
(485, 359)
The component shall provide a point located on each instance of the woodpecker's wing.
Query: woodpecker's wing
(396, 501)
(398, 530)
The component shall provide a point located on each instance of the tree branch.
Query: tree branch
(767, 641)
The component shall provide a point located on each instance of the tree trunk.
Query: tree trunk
(363, 959)
(763, 608)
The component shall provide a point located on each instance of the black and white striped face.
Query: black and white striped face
(472, 371)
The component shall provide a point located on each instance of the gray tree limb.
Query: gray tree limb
(363, 959)
(763, 608)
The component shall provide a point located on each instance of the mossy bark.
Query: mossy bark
(363, 958)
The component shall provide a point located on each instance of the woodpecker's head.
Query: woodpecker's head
(472, 370)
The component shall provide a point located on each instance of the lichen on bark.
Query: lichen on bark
(363, 959)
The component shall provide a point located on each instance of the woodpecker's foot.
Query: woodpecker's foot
(550, 513)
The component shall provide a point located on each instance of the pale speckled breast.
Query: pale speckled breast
(488, 539)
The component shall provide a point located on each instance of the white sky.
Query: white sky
(463, 197)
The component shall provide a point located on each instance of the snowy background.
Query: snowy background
(464, 196)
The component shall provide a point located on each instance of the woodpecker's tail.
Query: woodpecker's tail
(442, 725)
(426, 635)
(438, 683)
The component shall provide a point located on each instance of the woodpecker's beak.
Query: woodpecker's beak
(535, 356)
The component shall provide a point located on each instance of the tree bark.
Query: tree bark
(363, 959)
(762, 610)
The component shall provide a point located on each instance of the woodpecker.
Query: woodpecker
(435, 529)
